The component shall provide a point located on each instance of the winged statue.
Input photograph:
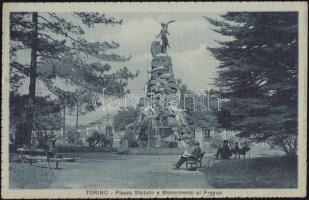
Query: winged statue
(163, 33)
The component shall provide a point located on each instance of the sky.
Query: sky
(190, 35)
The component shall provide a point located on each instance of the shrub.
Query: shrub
(97, 139)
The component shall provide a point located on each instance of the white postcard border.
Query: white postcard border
(301, 7)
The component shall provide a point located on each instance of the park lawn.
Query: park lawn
(264, 172)
(25, 176)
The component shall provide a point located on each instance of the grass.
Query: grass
(266, 172)
(24, 176)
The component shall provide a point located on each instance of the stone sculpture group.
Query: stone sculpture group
(165, 122)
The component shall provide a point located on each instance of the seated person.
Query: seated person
(192, 156)
(224, 152)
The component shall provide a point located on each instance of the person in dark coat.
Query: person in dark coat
(193, 156)
(224, 152)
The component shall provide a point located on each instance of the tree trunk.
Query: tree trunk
(64, 138)
(32, 85)
(76, 126)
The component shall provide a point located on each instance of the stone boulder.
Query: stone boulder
(164, 59)
(155, 48)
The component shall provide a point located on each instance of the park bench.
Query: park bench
(32, 159)
(23, 152)
(197, 162)
(42, 156)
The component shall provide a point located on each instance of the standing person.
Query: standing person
(236, 149)
(12, 146)
(12, 143)
(185, 157)
(236, 146)
(53, 142)
(224, 152)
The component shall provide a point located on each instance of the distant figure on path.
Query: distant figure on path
(186, 156)
(53, 142)
(224, 152)
(236, 146)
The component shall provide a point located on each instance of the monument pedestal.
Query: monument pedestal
(161, 105)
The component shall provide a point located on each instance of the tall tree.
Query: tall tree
(200, 109)
(258, 74)
(59, 52)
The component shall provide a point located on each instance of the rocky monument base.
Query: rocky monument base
(161, 123)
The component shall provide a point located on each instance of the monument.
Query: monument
(161, 122)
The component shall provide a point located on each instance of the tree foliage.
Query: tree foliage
(47, 115)
(61, 54)
(200, 110)
(47, 112)
(124, 117)
(258, 73)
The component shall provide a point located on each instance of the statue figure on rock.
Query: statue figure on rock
(163, 33)
(161, 123)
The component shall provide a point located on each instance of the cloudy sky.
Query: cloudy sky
(189, 37)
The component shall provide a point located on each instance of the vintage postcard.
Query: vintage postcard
(154, 100)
